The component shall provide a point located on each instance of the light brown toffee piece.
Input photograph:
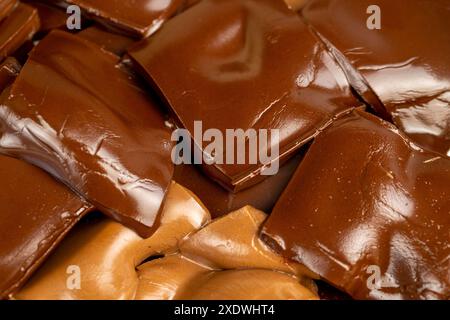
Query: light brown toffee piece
(182, 264)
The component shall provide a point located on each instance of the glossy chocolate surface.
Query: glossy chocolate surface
(75, 113)
(245, 64)
(109, 41)
(20, 25)
(406, 63)
(220, 201)
(366, 199)
(140, 18)
(35, 214)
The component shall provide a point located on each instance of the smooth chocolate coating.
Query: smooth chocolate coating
(73, 112)
(406, 63)
(245, 64)
(220, 201)
(6, 7)
(140, 18)
(366, 201)
(109, 41)
(9, 70)
(20, 26)
(36, 212)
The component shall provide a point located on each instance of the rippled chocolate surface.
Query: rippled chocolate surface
(245, 64)
(36, 212)
(367, 201)
(406, 63)
(73, 112)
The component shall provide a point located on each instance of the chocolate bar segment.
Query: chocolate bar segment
(17, 28)
(405, 63)
(51, 17)
(368, 211)
(75, 113)
(35, 214)
(140, 18)
(245, 65)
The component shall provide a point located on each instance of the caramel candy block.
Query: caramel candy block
(108, 41)
(106, 253)
(403, 68)
(36, 212)
(6, 7)
(103, 249)
(9, 70)
(369, 211)
(244, 64)
(73, 112)
(17, 28)
(139, 18)
(220, 201)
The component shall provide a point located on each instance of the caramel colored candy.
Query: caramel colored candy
(248, 285)
(106, 253)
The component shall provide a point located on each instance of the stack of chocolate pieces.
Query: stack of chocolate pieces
(353, 202)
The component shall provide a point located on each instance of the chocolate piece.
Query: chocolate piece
(109, 41)
(6, 7)
(406, 64)
(107, 253)
(17, 28)
(368, 211)
(248, 64)
(9, 70)
(73, 112)
(220, 201)
(35, 214)
(140, 18)
(51, 17)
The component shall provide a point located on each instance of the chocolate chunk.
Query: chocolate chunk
(368, 211)
(9, 70)
(17, 28)
(140, 18)
(220, 201)
(6, 7)
(406, 63)
(36, 212)
(50, 16)
(109, 41)
(73, 112)
(245, 65)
